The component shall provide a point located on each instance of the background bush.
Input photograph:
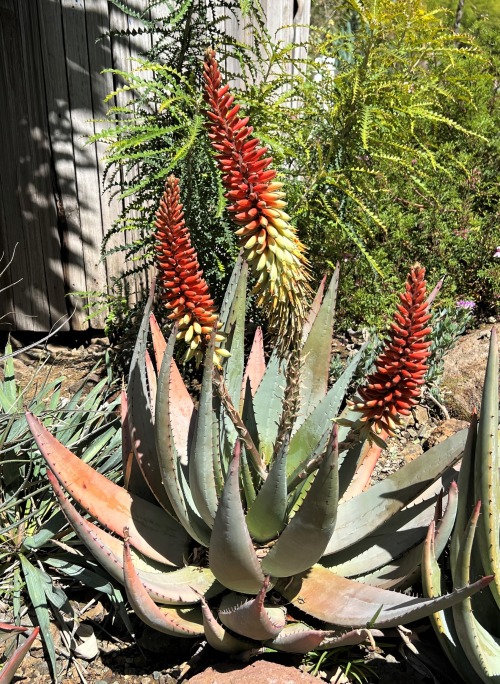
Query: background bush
(386, 137)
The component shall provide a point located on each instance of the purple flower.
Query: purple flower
(497, 253)
(466, 304)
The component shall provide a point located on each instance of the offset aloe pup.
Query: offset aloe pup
(470, 632)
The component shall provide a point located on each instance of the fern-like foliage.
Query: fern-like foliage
(156, 127)
(373, 104)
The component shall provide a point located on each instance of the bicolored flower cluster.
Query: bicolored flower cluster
(185, 291)
(392, 390)
(269, 241)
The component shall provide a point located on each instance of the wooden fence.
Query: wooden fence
(53, 213)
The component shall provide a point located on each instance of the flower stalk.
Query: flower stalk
(395, 386)
(269, 241)
(185, 291)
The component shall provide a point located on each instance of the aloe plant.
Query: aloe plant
(242, 497)
(236, 521)
(470, 632)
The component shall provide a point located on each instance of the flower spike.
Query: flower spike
(270, 244)
(185, 291)
(395, 386)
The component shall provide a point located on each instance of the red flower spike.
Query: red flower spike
(392, 390)
(269, 241)
(185, 291)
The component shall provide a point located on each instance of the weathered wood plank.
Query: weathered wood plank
(61, 137)
(100, 59)
(30, 212)
(88, 240)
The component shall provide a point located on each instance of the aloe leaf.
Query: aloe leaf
(158, 536)
(347, 603)
(268, 404)
(182, 417)
(306, 536)
(173, 478)
(314, 432)
(395, 538)
(133, 479)
(38, 600)
(266, 515)
(298, 637)
(227, 303)
(181, 622)
(406, 569)
(252, 619)
(234, 327)
(247, 480)
(232, 557)
(442, 621)
(248, 415)
(314, 309)
(256, 365)
(481, 647)
(9, 669)
(201, 462)
(487, 471)
(363, 514)
(152, 381)
(466, 489)
(159, 341)
(218, 637)
(164, 585)
(316, 354)
(140, 417)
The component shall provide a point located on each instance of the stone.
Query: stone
(258, 672)
(445, 430)
(463, 375)
(412, 451)
(421, 415)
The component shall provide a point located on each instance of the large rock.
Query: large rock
(259, 672)
(464, 369)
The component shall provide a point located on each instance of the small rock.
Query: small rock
(412, 432)
(445, 430)
(101, 341)
(463, 375)
(259, 672)
(421, 415)
(425, 431)
(412, 451)
(492, 320)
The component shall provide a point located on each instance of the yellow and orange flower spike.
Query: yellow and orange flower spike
(185, 291)
(395, 386)
(269, 241)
